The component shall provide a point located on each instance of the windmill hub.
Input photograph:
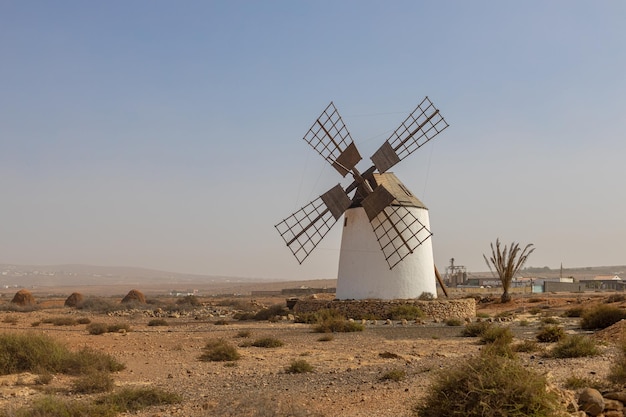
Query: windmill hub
(386, 250)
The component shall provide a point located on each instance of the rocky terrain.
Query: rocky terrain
(348, 370)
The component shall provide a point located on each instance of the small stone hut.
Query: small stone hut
(135, 296)
(74, 299)
(23, 298)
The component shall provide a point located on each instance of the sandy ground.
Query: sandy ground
(347, 369)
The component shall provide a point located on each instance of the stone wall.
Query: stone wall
(358, 309)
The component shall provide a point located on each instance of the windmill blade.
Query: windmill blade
(331, 139)
(399, 232)
(304, 229)
(423, 124)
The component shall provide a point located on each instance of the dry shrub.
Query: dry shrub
(405, 312)
(267, 342)
(299, 366)
(575, 346)
(74, 299)
(601, 317)
(219, 350)
(617, 374)
(488, 386)
(23, 298)
(550, 334)
(396, 375)
(135, 296)
(475, 329)
(331, 321)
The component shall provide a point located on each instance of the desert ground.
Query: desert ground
(347, 377)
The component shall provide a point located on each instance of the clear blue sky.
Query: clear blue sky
(168, 135)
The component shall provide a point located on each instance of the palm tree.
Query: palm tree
(507, 262)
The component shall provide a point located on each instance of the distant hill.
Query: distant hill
(72, 275)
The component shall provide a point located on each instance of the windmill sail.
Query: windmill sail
(423, 124)
(331, 139)
(304, 229)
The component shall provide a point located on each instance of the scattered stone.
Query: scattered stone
(590, 401)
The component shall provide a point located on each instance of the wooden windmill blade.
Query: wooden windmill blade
(331, 139)
(423, 124)
(304, 229)
(399, 233)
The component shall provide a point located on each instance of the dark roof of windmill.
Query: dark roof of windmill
(403, 196)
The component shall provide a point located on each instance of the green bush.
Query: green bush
(135, 399)
(331, 321)
(88, 360)
(550, 320)
(550, 334)
(267, 342)
(575, 346)
(526, 346)
(488, 386)
(93, 382)
(405, 312)
(574, 312)
(97, 328)
(299, 366)
(601, 317)
(494, 334)
(271, 312)
(40, 353)
(61, 321)
(454, 322)
(219, 350)
(475, 329)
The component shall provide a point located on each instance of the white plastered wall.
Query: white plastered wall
(364, 273)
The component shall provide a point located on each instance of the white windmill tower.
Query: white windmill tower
(385, 252)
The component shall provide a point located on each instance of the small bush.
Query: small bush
(98, 304)
(331, 321)
(405, 312)
(601, 317)
(575, 382)
(526, 346)
(574, 312)
(475, 329)
(158, 322)
(575, 346)
(534, 311)
(61, 321)
(326, 338)
(524, 323)
(454, 322)
(135, 399)
(267, 342)
(189, 300)
(550, 334)
(87, 360)
(92, 383)
(218, 350)
(243, 333)
(221, 322)
(299, 366)
(550, 320)
(488, 386)
(97, 328)
(50, 406)
(10, 320)
(83, 320)
(117, 327)
(496, 334)
(615, 298)
(426, 296)
(396, 375)
(271, 312)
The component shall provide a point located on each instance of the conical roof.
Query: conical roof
(403, 196)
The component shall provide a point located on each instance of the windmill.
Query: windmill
(386, 250)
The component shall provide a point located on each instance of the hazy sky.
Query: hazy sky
(168, 134)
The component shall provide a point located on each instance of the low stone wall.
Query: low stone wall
(358, 309)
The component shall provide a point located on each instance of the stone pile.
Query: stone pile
(595, 404)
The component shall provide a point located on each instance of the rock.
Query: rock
(613, 405)
(618, 396)
(590, 401)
